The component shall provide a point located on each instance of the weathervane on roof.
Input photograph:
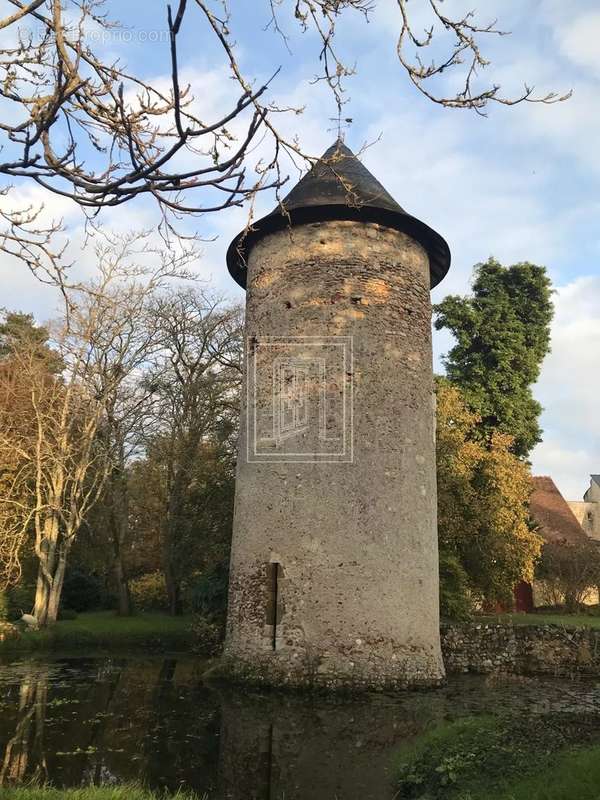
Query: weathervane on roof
(339, 125)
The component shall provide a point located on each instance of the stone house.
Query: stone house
(587, 511)
(557, 524)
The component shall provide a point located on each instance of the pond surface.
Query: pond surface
(76, 721)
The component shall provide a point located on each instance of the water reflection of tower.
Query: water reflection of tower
(293, 747)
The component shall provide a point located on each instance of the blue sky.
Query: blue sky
(521, 184)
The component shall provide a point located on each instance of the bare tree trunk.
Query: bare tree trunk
(123, 595)
(46, 569)
(51, 572)
(56, 589)
(42, 590)
(171, 535)
(48, 594)
(119, 494)
(571, 601)
(171, 582)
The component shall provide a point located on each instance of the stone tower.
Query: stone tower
(334, 565)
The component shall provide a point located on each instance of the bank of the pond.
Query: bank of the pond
(90, 793)
(104, 630)
(503, 758)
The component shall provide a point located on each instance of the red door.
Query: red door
(524, 597)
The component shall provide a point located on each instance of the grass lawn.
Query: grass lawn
(574, 775)
(105, 630)
(564, 620)
(90, 793)
(501, 758)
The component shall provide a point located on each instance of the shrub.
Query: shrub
(569, 571)
(4, 606)
(149, 593)
(20, 601)
(484, 757)
(455, 598)
(208, 593)
(82, 591)
(9, 633)
(207, 634)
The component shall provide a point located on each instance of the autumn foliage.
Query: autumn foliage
(486, 544)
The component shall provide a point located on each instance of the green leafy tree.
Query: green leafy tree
(17, 330)
(502, 333)
(17, 326)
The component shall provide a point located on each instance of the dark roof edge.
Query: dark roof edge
(436, 247)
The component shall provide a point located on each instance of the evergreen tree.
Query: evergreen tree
(18, 329)
(502, 333)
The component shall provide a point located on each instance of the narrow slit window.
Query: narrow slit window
(272, 600)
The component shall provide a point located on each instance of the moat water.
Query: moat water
(83, 721)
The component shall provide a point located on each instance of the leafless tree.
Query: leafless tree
(569, 571)
(463, 53)
(196, 379)
(456, 43)
(64, 98)
(59, 428)
(102, 135)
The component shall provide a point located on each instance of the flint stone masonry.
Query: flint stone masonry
(356, 543)
(521, 649)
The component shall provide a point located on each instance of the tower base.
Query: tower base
(357, 671)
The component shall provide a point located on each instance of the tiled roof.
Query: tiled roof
(551, 512)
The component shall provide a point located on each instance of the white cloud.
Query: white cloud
(568, 466)
(578, 41)
(483, 205)
(569, 388)
(571, 128)
(51, 207)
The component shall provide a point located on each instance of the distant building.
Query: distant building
(587, 511)
(556, 523)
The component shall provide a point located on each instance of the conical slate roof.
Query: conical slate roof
(339, 186)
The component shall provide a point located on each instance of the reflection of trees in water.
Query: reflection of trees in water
(96, 771)
(113, 721)
(152, 721)
(155, 722)
(181, 744)
(24, 755)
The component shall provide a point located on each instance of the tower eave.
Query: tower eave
(435, 245)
